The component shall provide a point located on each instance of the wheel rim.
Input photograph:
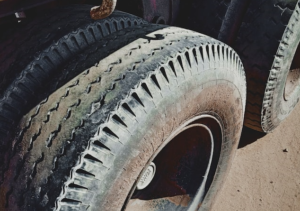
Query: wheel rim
(185, 166)
(293, 76)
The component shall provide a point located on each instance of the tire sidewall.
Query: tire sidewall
(275, 108)
(158, 125)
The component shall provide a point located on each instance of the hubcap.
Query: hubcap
(147, 177)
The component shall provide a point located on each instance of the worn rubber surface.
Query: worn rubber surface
(33, 58)
(84, 146)
(266, 43)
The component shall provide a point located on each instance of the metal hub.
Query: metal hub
(147, 177)
(183, 170)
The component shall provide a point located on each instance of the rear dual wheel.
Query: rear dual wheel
(266, 35)
(268, 43)
(172, 98)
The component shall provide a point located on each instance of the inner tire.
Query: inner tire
(110, 121)
(37, 51)
(32, 64)
(273, 83)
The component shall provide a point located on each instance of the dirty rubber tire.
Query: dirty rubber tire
(33, 59)
(267, 42)
(87, 143)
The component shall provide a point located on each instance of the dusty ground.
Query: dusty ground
(265, 175)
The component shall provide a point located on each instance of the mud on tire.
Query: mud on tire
(87, 143)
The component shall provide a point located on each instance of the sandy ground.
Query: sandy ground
(265, 175)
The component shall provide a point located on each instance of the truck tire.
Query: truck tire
(37, 52)
(172, 97)
(268, 43)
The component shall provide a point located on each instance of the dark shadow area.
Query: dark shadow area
(180, 166)
(249, 136)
